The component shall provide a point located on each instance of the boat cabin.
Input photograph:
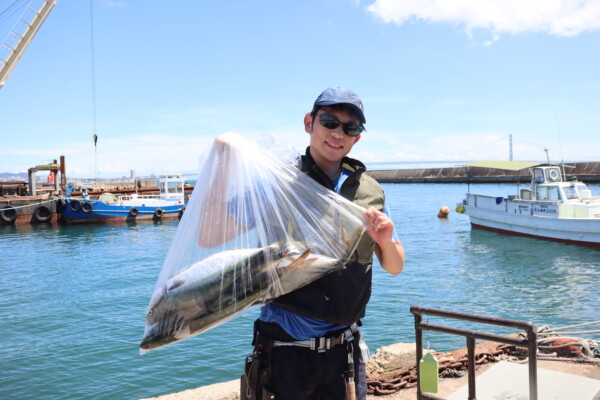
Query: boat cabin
(171, 190)
(171, 186)
(547, 185)
(547, 174)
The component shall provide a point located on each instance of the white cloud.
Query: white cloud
(554, 17)
(111, 4)
(421, 146)
(145, 153)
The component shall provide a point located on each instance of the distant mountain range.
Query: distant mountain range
(20, 175)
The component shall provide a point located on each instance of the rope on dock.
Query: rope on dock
(572, 333)
(552, 358)
(31, 205)
(548, 331)
(555, 346)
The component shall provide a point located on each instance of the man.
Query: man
(307, 343)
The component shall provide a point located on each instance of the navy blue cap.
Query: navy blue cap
(339, 95)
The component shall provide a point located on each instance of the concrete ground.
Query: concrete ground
(449, 386)
(230, 390)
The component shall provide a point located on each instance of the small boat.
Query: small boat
(168, 204)
(551, 208)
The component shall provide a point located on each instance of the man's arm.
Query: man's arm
(390, 253)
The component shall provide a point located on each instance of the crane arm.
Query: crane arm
(23, 39)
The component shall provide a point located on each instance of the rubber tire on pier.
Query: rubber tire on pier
(133, 211)
(158, 213)
(86, 207)
(42, 214)
(74, 205)
(8, 214)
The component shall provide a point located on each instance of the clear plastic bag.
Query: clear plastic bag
(255, 228)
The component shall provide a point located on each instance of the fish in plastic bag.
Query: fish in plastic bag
(255, 228)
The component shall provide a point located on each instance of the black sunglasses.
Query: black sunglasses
(330, 121)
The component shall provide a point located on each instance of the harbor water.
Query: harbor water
(73, 298)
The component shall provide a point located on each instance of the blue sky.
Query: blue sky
(440, 80)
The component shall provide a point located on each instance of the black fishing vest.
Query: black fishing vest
(340, 297)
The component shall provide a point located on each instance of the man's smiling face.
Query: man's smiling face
(329, 146)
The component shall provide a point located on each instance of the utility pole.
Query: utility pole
(510, 154)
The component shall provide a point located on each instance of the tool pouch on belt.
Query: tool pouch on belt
(257, 370)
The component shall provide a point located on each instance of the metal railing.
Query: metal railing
(530, 342)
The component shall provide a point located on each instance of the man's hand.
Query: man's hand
(380, 228)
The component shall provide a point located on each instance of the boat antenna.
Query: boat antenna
(547, 156)
(562, 158)
(95, 131)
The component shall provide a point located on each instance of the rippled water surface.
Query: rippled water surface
(73, 298)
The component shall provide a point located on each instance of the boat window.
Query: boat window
(554, 175)
(526, 194)
(175, 187)
(542, 193)
(547, 193)
(570, 193)
(538, 175)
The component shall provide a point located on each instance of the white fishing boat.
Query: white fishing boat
(551, 208)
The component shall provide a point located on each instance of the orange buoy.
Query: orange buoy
(444, 211)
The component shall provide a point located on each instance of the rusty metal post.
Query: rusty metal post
(471, 367)
(419, 352)
(55, 172)
(532, 353)
(63, 176)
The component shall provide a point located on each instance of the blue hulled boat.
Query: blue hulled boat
(168, 204)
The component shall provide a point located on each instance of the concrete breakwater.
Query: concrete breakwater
(588, 172)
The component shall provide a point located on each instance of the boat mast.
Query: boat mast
(547, 156)
(21, 35)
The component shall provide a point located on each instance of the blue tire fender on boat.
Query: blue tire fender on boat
(8, 214)
(87, 207)
(42, 214)
(158, 213)
(133, 211)
(74, 205)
